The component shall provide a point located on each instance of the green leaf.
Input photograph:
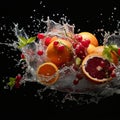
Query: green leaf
(31, 39)
(11, 82)
(113, 48)
(107, 53)
(23, 41)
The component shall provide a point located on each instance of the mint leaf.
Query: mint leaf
(108, 49)
(11, 82)
(31, 39)
(107, 53)
(23, 41)
(113, 48)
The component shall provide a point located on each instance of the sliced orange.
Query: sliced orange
(47, 73)
(97, 69)
(59, 52)
(91, 37)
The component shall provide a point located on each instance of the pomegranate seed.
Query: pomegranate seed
(40, 52)
(40, 36)
(47, 41)
(102, 64)
(111, 68)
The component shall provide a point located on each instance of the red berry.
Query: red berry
(22, 56)
(78, 37)
(18, 77)
(85, 43)
(75, 82)
(40, 36)
(79, 76)
(47, 41)
(17, 82)
(40, 52)
(61, 48)
(56, 43)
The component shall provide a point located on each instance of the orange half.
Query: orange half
(47, 73)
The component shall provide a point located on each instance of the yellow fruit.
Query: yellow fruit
(91, 37)
(91, 48)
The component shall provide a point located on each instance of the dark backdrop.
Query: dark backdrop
(22, 101)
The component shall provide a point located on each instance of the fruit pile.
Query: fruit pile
(96, 63)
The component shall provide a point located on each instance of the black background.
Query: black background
(22, 101)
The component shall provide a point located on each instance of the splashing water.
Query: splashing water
(30, 60)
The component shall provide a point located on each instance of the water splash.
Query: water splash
(82, 92)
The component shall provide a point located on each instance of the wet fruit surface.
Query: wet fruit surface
(97, 68)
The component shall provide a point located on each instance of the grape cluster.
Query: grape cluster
(80, 46)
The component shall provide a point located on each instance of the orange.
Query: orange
(97, 69)
(90, 36)
(91, 48)
(59, 52)
(48, 39)
(47, 73)
(99, 51)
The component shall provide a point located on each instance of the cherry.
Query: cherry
(102, 64)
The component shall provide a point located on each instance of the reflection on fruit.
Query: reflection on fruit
(97, 68)
(59, 52)
(47, 73)
(90, 36)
